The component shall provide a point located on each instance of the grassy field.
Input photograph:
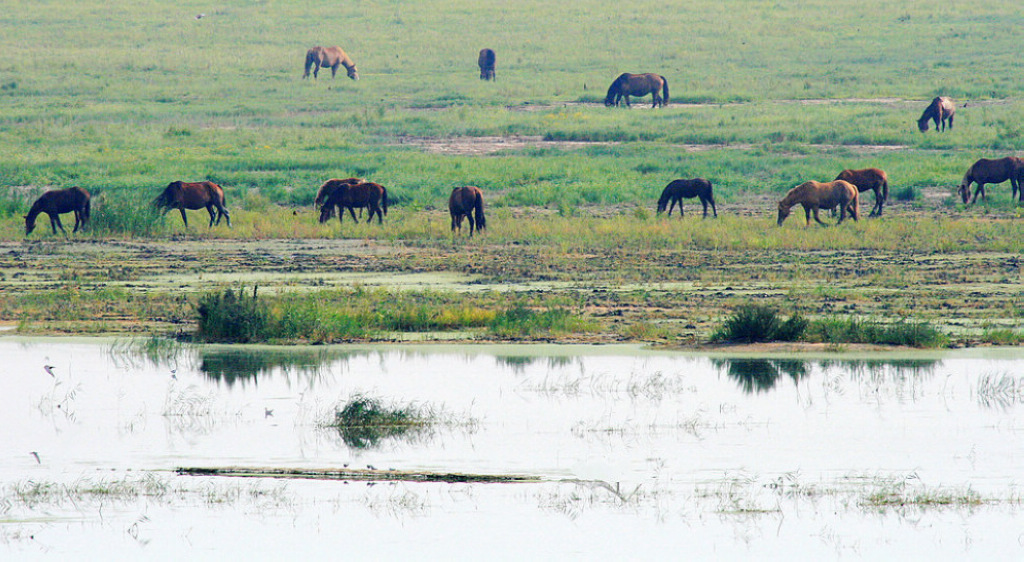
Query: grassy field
(122, 98)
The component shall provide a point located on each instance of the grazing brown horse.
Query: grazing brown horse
(329, 57)
(676, 190)
(638, 85)
(367, 194)
(869, 178)
(940, 110)
(993, 171)
(53, 203)
(465, 202)
(817, 195)
(193, 196)
(328, 188)
(486, 62)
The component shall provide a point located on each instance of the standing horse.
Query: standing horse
(816, 195)
(993, 171)
(371, 195)
(676, 190)
(465, 202)
(323, 57)
(869, 178)
(56, 202)
(940, 110)
(638, 85)
(193, 196)
(328, 188)
(486, 62)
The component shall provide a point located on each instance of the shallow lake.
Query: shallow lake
(642, 454)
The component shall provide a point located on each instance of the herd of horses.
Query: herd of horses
(467, 202)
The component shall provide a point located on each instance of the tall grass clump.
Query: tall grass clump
(521, 321)
(853, 330)
(364, 422)
(232, 317)
(758, 323)
(124, 214)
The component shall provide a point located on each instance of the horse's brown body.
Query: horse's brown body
(56, 202)
(328, 188)
(486, 61)
(940, 111)
(372, 196)
(329, 57)
(817, 195)
(638, 85)
(993, 171)
(467, 202)
(193, 196)
(869, 178)
(676, 190)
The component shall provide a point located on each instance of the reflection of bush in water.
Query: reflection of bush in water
(520, 362)
(760, 375)
(231, 366)
(892, 369)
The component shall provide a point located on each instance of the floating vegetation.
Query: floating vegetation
(1000, 391)
(365, 422)
(357, 474)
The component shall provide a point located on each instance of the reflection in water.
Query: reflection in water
(760, 375)
(241, 365)
(519, 363)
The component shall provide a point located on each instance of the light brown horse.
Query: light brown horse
(817, 195)
(638, 85)
(993, 171)
(193, 196)
(371, 195)
(486, 61)
(329, 57)
(328, 188)
(58, 201)
(869, 178)
(676, 190)
(940, 110)
(467, 202)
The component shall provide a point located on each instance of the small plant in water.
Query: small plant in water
(365, 422)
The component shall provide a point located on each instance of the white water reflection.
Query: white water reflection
(699, 456)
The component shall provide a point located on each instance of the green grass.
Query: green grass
(365, 422)
(758, 323)
(852, 330)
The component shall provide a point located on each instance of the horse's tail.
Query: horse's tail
(384, 199)
(86, 208)
(664, 90)
(310, 56)
(481, 222)
(885, 189)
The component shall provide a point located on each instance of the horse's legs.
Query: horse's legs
(352, 211)
(704, 202)
(213, 213)
(79, 220)
(472, 222)
(818, 219)
(980, 190)
(334, 71)
(223, 212)
(184, 219)
(711, 198)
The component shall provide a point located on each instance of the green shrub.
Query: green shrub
(232, 317)
(759, 323)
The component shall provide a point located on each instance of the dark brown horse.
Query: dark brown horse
(371, 195)
(193, 196)
(486, 62)
(54, 203)
(940, 110)
(638, 85)
(329, 57)
(869, 178)
(328, 188)
(676, 190)
(993, 171)
(816, 195)
(465, 202)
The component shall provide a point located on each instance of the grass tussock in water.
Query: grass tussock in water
(365, 422)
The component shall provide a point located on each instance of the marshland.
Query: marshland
(771, 391)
